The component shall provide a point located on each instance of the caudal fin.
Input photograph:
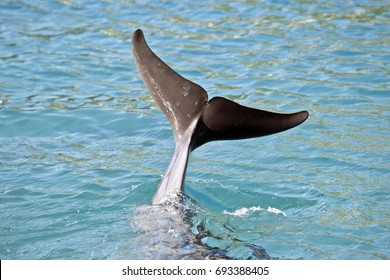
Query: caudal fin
(184, 102)
(180, 99)
(223, 119)
(196, 121)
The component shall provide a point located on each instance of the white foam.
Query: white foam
(247, 211)
(276, 211)
(243, 211)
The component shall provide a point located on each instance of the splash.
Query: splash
(248, 211)
(243, 211)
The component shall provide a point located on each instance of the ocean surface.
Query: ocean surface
(83, 146)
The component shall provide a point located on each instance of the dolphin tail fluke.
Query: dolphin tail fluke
(223, 119)
(196, 121)
(180, 99)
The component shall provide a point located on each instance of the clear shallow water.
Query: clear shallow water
(83, 146)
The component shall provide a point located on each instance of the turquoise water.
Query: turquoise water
(83, 146)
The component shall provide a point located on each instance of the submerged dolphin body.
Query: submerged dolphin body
(178, 230)
(195, 120)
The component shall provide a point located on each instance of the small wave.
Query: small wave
(247, 211)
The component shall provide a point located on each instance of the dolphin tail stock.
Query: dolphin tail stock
(195, 120)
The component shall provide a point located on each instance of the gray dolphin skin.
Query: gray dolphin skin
(195, 120)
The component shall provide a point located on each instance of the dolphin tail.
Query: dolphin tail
(195, 120)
